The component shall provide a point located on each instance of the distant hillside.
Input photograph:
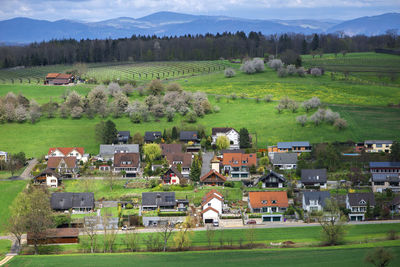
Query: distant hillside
(25, 30)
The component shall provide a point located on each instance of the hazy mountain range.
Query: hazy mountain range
(26, 30)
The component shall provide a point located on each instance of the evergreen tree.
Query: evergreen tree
(164, 136)
(244, 138)
(106, 132)
(395, 151)
(195, 170)
(174, 134)
(304, 49)
(315, 42)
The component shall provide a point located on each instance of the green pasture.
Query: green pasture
(8, 191)
(5, 246)
(261, 119)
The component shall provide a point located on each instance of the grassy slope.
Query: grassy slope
(5, 246)
(261, 118)
(8, 191)
(340, 256)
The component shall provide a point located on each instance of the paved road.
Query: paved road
(27, 172)
(206, 166)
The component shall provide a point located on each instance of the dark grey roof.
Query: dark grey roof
(379, 142)
(284, 158)
(287, 145)
(152, 136)
(188, 136)
(158, 199)
(385, 164)
(65, 201)
(48, 172)
(361, 199)
(110, 150)
(321, 196)
(124, 133)
(385, 177)
(270, 175)
(313, 176)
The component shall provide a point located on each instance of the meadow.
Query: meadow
(327, 256)
(5, 246)
(8, 191)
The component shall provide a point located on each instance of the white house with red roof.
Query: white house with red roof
(212, 204)
(77, 152)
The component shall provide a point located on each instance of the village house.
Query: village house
(395, 204)
(189, 137)
(384, 167)
(295, 147)
(59, 79)
(3, 156)
(65, 166)
(173, 176)
(271, 180)
(376, 146)
(170, 149)
(237, 165)
(313, 178)
(107, 151)
(315, 201)
(184, 160)
(77, 202)
(212, 178)
(152, 137)
(158, 200)
(77, 152)
(128, 163)
(212, 204)
(272, 205)
(232, 135)
(357, 203)
(48, 177)
(215, 164)
(284, 161)
(123, 137)
(385, 175)
(54, 236)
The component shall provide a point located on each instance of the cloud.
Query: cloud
(95, 10)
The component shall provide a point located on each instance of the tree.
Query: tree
(110, 180)
(132, 240)
(21, 114)
(333, 228)
(38, 214)
(222, 142)
(73, 100)
(302, 120)
(315, 42)
(379, 257)
(106, 132)
(17, 221)
(395, 151)
(210, 234)
(98, 98)
(156, 87)
(90, 229)
(229, 73)
(340, 123)
(152, 151)
(110, 234)
(165, 232)
(114, 89)
(138, 138)
(34, 112)
(251, 235)
(174, 87)
(174, 133)
(119, 105)
(248, 67)
(291, 57)
(275, 64)
(244, 138)
(315, 72)
(195, 169)
(76, 112)
(127, 89)
(183, 237)
(16, 162)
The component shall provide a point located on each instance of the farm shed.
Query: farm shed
(56, 236)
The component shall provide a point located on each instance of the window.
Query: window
(273, 201)
(362, 201)
(209, 204)
(264, 202)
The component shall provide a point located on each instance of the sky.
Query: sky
(96, 10)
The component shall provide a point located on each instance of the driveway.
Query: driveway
(206, 167)
(27, 172)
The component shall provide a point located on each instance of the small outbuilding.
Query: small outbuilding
(55, 236)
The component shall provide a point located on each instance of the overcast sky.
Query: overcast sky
(95, 10)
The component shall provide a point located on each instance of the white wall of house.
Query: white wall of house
(174, 179)
(210, 214)
(51, 181)
(314, 205)
(285, 166)
(264, 185)
(233, 137)
(215, 204)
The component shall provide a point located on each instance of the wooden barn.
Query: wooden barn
(59, 79)
(56, 236)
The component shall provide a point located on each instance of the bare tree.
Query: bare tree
(379, 257)
(165, 232)
(210, 234)
(110, 180)
(90, 229)
(110, 234)
(132, 240)
(251, 235)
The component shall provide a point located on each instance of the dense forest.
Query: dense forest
(188, 47)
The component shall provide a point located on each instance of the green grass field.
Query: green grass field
(338, 256)
(5, 246)
(8, 191)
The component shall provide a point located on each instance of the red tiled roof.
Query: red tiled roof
(66, 150)
(212, 176)
(52, 75)
(53, 162)
(212, 192)
(236, 159)
(205, 201)
(256, 199)
(209, 208)
(64, 76)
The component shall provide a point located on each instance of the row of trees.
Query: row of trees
(14, 162)
(188, 47)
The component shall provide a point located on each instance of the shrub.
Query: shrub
(268, 98)
(316, 72)
(301, 72)
(114, 89)
(248, 67)
(76, 112)
(291, 69)
(233, 96)
(279, 108)
(311, 103)
(129, 206)
(293, 106)
(21, 114)
(174, 87)
(229, 73)
(170, 112)
(191, 117)
(340, 124)
(282, 72)
(258, 64)
(318, 116)
(217, 109)
(331, 116)
(275, 64)
(158, 110)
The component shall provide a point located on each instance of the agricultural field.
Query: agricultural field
(371, 67)
(123, 71)
(339, 256)
(8, 191)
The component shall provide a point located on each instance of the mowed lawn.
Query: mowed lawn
(8, 191)
(261, 119)
(341, 256)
